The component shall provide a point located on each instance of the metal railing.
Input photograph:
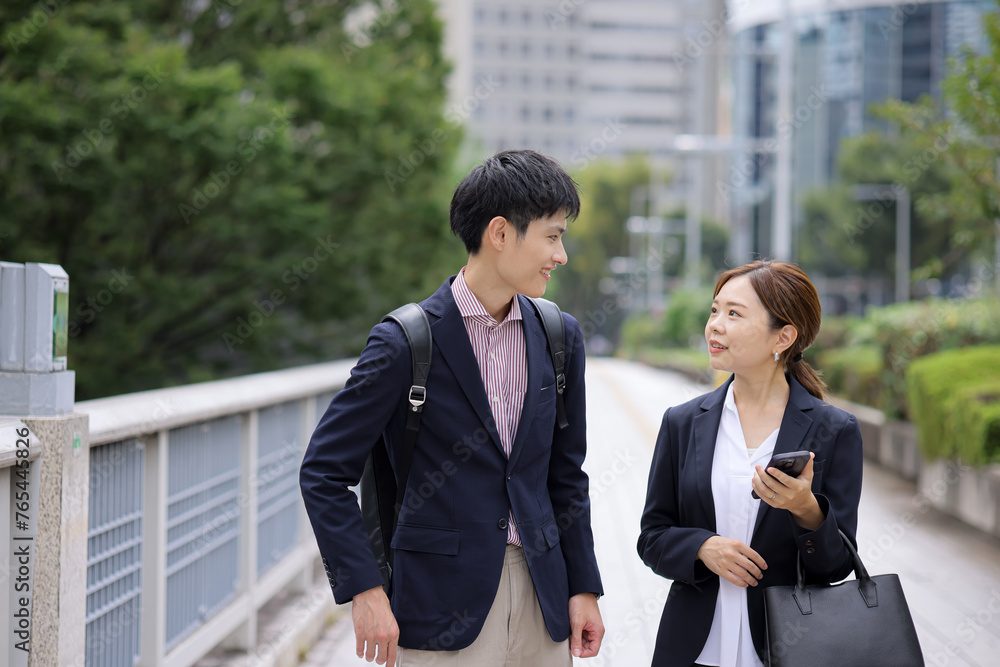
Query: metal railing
(114, 554)
(195, 516)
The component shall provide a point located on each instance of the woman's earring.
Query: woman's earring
(776, 357)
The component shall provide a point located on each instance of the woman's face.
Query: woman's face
(739, 332)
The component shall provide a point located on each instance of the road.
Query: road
(950, 572)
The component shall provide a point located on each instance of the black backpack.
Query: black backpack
(381, 496)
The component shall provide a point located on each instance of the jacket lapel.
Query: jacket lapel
(451, 340)
(795, 425)
(535, 356)
(706, 433)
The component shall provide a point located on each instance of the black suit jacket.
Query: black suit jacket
(452, 532)
(680, 515)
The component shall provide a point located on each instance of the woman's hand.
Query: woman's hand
(791, 493)
(732, 560)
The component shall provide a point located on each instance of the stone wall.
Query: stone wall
(967, 493)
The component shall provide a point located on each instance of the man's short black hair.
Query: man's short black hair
(520, 185)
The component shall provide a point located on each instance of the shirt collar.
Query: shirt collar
(730, 403)
(471, 308)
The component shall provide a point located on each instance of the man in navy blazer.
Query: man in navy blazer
(680, 515)
(452, 538)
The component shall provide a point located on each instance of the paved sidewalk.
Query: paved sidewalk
(950, 573)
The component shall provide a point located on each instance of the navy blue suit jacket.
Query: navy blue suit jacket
(451, 537)
(680, 515)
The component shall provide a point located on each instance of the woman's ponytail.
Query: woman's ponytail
(807, 376)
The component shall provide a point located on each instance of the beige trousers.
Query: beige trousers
(514, 634)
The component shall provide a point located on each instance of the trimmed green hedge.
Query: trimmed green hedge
(954, 399)
(901, 333)
(853, 372)
(911, 330)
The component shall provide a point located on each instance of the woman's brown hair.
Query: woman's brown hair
(789, 298)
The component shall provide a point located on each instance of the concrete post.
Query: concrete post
(36, 387)
(58, 633)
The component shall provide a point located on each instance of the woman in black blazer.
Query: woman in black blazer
(701, 527)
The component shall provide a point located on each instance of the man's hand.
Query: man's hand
(375, 626)
(586, 629)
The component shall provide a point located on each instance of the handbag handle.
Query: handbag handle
(866, 586)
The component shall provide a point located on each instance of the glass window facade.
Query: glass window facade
(843, 63)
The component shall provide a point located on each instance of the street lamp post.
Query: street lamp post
(901, 195)
(996, 240)
(646, 243)
(699, 145)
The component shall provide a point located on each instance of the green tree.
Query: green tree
(610, 192)
(843, 235)
(232, 185)
(945, 152)
(585, 286)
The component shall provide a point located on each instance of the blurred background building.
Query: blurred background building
(846, 56)
(588, 79)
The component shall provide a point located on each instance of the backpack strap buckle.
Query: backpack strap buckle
(418, 396)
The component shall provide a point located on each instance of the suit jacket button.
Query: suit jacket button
(809, 543)
(502, 524)
(810, 550)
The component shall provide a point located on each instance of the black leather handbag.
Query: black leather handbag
(862, 623)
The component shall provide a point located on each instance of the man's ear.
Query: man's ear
(497, 233)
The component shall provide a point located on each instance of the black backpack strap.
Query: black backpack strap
(417, 328)
(555, 331)
(381, 493)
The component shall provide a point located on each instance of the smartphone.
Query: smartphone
(791, 463)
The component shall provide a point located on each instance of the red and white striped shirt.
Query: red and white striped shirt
(500, 353)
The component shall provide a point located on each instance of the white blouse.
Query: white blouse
(729, 643)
